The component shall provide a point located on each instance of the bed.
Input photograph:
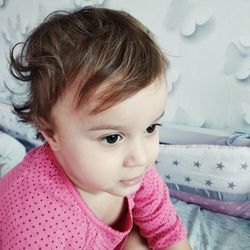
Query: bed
(208, 175)
(213, 231)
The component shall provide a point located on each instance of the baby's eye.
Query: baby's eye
(151, 129)
(112, 139)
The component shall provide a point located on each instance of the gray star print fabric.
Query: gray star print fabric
(215, 177)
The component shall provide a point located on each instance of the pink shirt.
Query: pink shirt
(41, 209)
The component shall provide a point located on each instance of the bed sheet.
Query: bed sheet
(213, 231)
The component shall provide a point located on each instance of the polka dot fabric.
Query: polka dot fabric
(41, 209)
(155, 214)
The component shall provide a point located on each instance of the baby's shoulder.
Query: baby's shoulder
(34, 190)
(34, 177)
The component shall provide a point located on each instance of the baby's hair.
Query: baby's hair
(97, 52)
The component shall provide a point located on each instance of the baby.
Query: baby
(96, 93)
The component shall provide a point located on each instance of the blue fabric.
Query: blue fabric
(213, 231)
(28, 145)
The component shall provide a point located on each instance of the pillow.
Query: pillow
(10, 124)
(11, 153)
(212, 176)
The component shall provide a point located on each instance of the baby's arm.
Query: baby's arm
(181, 245)
(136, 241)
(155, 215)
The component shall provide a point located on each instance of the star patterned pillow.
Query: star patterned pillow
(215, 177)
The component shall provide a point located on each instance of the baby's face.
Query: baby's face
(110, 151)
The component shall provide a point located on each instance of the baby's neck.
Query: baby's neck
(109, 209)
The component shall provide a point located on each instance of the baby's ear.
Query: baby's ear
(51, 138)
(47, 131)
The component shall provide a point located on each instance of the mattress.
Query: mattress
(213, 231)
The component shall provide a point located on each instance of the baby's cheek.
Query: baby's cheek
(155, 152)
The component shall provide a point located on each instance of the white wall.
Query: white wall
(207, 43)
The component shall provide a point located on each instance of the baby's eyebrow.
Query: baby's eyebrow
(158, 118)
(107, 127)
(117, 127)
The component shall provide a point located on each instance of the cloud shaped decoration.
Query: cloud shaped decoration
(244, 70)
(245, 41)
(197, 17)
(186, 17)
(172, 77)
(15, 30)
(237, 58)
(246, 112)
(82, 3)
(2, 3)
(183, 117)
(233, 58)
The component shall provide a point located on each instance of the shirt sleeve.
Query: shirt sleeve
(154, 213)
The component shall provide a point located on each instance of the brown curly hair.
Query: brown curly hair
(83, 49)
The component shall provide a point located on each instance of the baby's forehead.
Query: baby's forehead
(132, 114)
(89, 96)
(103, 95)
(109, 98)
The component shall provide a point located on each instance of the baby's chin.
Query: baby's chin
(125, 191)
